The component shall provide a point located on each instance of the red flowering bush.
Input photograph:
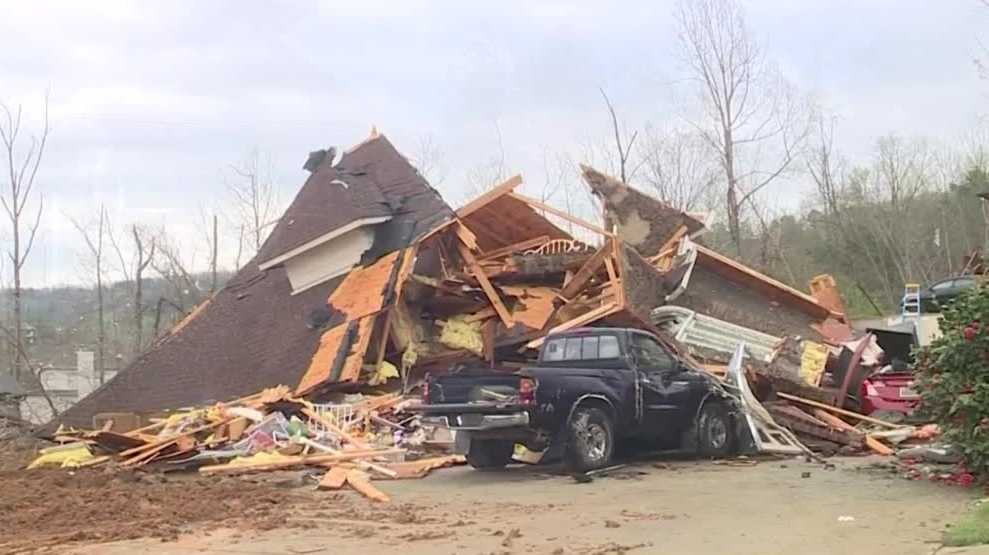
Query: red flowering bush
(953, 377)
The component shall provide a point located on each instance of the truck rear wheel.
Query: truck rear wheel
(590, 439)
(490, 453)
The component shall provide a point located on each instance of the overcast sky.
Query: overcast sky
(150, 101)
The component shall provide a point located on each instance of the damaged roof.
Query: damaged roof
(372, 183)
(253, 333)
(642, 221)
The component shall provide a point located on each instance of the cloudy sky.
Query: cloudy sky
(151, 101)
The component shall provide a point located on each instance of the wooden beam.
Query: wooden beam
(520, 246)
(674, 240)
(486, 198)
(559, 213)
(301, 460)
(587, 317)
(586, 272)
(485, 284)
(877, 446)
(385, 336)
(466, 235)
(837, 410)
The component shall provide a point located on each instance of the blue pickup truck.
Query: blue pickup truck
(590, 389)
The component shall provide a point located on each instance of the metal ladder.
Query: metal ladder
(911, 300)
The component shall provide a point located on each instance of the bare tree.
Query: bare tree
(22, 170)
(255, 200)
(488, 173)
(623, 141)
(679, 168)
(751, 118)
(183, 288)
(94, 245)
(133, 268)
(428, 159)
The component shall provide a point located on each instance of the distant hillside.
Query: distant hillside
(65, 318)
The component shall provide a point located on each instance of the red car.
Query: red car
(889, 393)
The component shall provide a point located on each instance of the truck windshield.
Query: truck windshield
(581, 348)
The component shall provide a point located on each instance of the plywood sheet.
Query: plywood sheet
(362, 292)
(330, 344)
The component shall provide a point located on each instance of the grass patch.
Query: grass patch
(971, 530)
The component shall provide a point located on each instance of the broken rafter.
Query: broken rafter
(559, 213)
(586, 272)
(485, 283)
(586, 318)
(483, 200)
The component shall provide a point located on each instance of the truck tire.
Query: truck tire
(712, 433)
(590, 439)
(490, 453)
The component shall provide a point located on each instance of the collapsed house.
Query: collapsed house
(369, 279)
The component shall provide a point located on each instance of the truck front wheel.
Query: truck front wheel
(490, 453)
(590, 439)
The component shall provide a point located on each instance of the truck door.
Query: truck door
(664, 393)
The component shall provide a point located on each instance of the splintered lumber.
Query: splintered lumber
(832, 420)
(485, 284)
(422, 467)
(801, 422)
(877, 446)
(360, 481)
(837, 410)
(334, 478)
(586, 272)
(586, 318)
(300, 460)
(517, 247)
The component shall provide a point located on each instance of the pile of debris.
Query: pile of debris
(352, 441)
(483, 288)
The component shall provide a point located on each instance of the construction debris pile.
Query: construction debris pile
(350, 442)
(483, 288)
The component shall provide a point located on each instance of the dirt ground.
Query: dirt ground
(666, 506)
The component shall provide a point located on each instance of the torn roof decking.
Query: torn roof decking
(499, 220)
(774, 289)
(364, 293)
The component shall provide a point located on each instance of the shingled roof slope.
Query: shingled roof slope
(373, 180)
(253, 333)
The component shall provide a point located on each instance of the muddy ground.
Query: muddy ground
(664, 506)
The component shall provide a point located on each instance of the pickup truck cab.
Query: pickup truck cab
(590, 389)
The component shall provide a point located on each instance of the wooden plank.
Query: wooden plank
(360, 481)
(334, 478)
(560, 214)
(837, 410)
(832, 420)
(481, 315)
(383, 345)
(485, 284)
(486, 198)
(877, 446)
(517, 247)
(674, 240)
(586, 272)
(465, 235)
(585, 318)
(301, 460)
